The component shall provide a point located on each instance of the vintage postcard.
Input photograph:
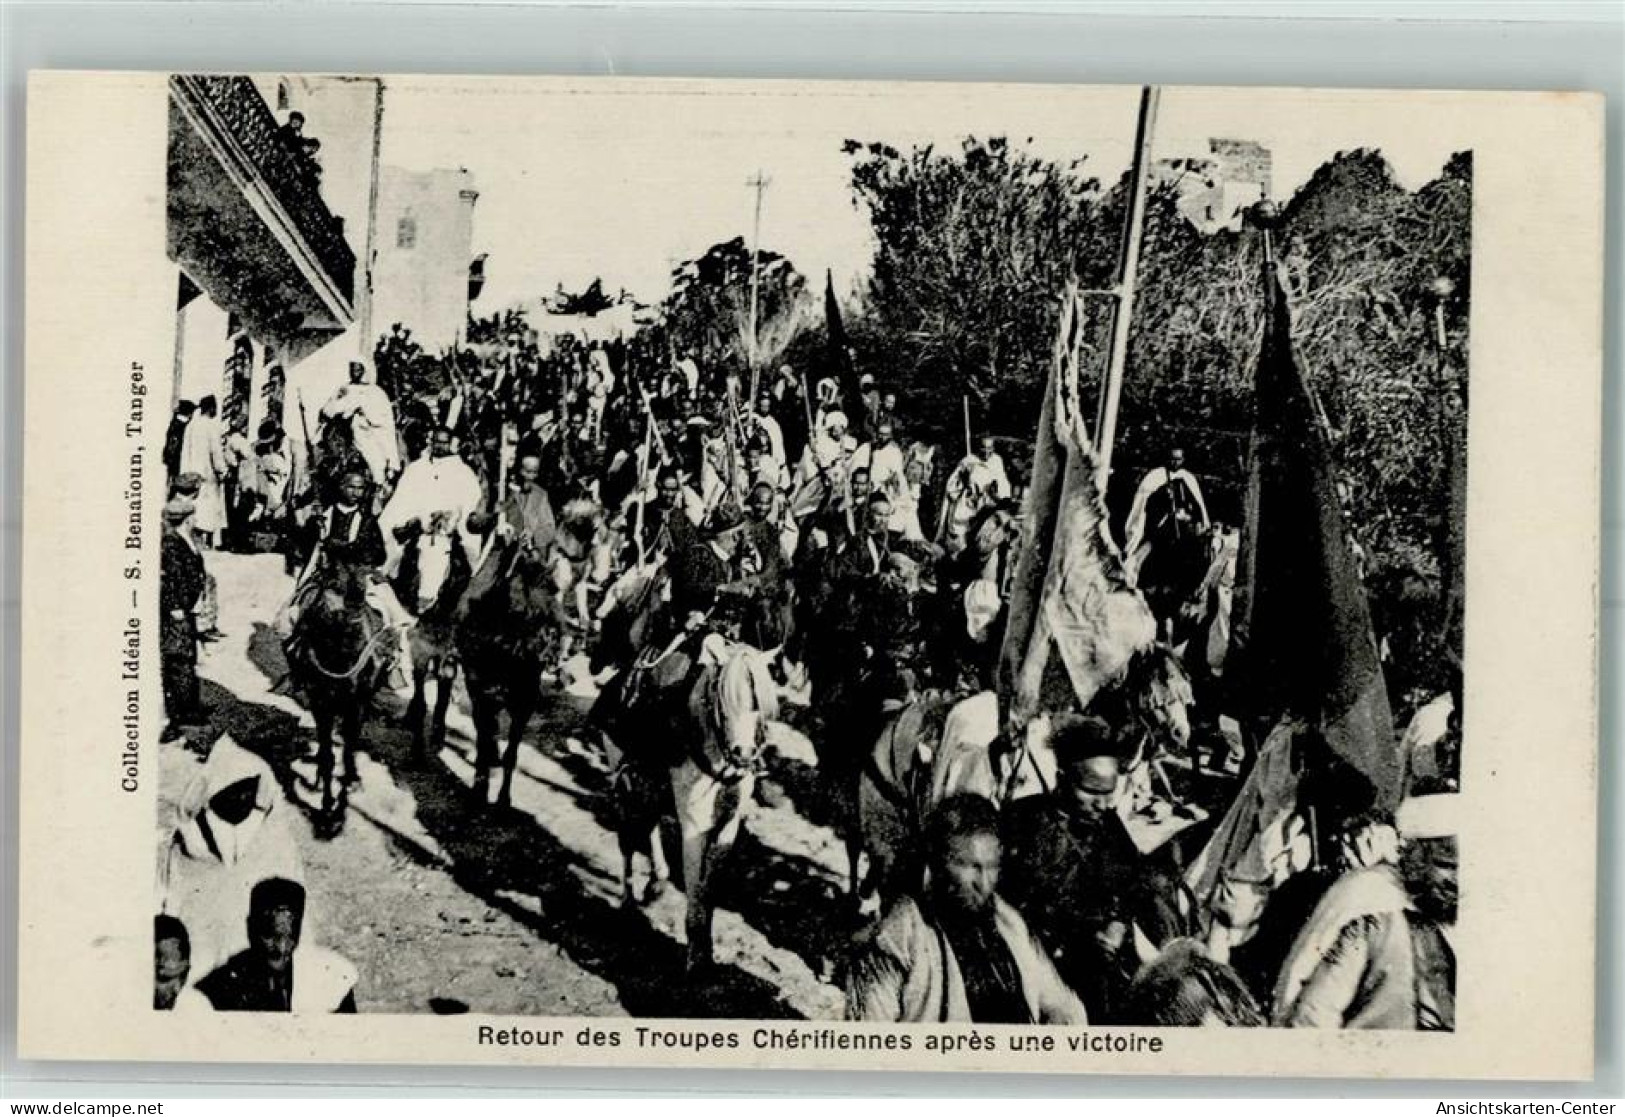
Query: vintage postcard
(810, 575)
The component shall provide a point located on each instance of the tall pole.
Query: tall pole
(759, 183)
(369, 248)
(1123, 314)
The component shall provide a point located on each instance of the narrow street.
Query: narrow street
(444, 909)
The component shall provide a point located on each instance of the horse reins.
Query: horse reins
(366, 653)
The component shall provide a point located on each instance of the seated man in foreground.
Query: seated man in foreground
(278, 972)
(959, 953)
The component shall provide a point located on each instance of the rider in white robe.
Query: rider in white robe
(372, 423)
(1137, 544)
(767, 425)
(888, 473)
(975, 483)
(439, 483)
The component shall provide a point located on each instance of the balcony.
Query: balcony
(245, 222)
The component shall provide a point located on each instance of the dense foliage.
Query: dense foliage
(973, 248)
(707, 314)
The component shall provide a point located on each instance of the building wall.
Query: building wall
(1214, 191)
(345, 115)
(425, 237)
(202, 348)
(1244, 161)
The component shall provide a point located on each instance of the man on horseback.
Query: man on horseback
(761, 568)
(1168, 510)
(977, 482)
(523, 524)
(371, 418)
(439, 483)
(344, 552)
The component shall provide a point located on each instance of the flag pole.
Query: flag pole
(759, 183)
(964, 406)
(1025, 649)
(1128, 273)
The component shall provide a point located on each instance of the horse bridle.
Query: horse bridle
(387, 630)
(736, 766)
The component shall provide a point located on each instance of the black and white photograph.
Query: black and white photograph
(811, 575)
(766, 565)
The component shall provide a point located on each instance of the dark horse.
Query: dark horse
(508, 638)
(340, 653)
(1172, 575)
(335, 455)
(433, 574)
(862, 657)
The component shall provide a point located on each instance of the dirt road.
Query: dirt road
(446, 909)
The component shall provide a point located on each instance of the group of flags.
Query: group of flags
(1302, 641)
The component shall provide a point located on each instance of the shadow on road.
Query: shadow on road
(496, 854)
(504, 857)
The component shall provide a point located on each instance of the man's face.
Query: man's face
(352, 490)
(889, 401)
(860, 486)
(275, 936)
(760, 505)
(440, 444)
(668, 492)
(984, 448)
(764, 406)
(884, 434)
(171, 966)
(1091, 785)
(970, 872)
(879, 515)
(357, 374)
(530, 471)
(1176, 460)
(234, 803)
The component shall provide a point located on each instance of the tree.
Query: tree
(708, 311)
(972, 250)
(1363, 254)
(587, 303)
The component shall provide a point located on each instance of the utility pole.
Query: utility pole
(1128, 270)
(759, 183)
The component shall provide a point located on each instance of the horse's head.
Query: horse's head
(581, 526)
(743, 699)
(919, 464)
(334, 619)
(1162, 693)
(331, 604)
(434, 548)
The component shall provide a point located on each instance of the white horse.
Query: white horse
(432, 577)
(713, 722)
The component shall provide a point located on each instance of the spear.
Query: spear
(310, 449)
(642, 491)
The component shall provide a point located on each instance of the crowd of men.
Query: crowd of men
(791, 510)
